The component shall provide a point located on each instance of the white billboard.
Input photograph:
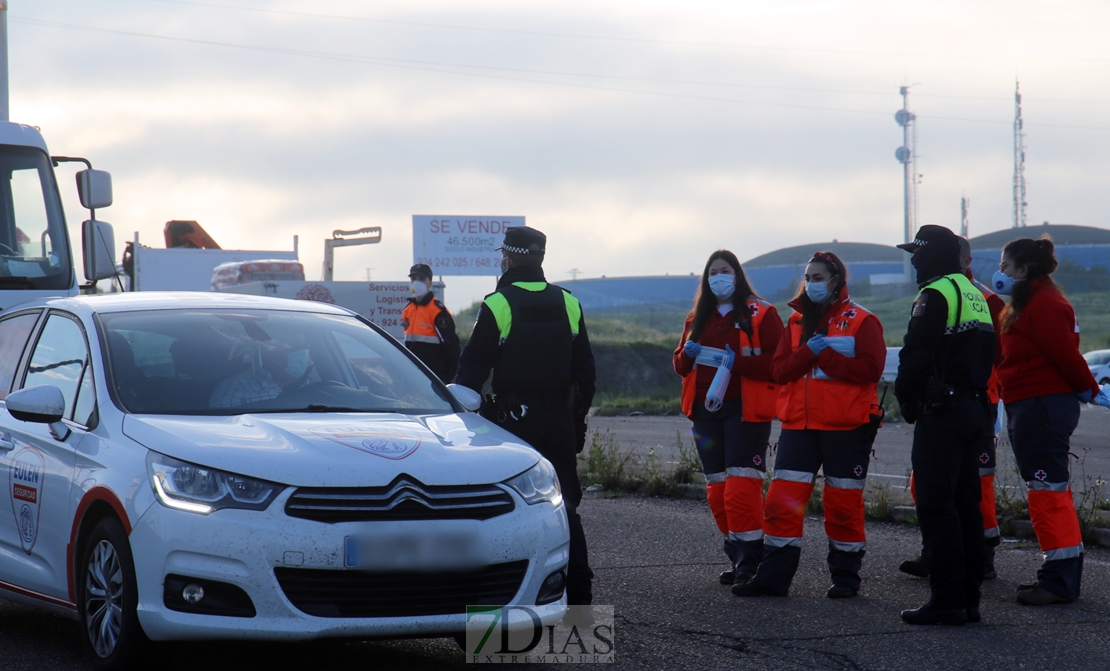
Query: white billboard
(380, 302)
(460, 245)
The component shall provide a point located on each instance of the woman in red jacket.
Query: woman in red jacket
(830, 361)
(1044, 378)
(731, 432)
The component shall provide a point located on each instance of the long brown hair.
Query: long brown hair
(1039, 259)
(812, 312)
(705, 302)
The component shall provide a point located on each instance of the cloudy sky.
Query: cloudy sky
(638, 135)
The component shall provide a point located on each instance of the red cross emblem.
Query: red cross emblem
(984, 458)
(753, 309)
(858, 470)
(757, 460)
(850, 314)
(1040, 475)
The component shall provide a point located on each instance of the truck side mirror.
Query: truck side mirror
(94, 187)
(98, 243)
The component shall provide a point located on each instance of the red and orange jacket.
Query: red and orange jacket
(1040, 350)
(751, 374)
(830, 391)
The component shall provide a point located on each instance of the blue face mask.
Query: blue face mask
(298, 363)
(722, 285)
(818, 292)
(1002, 284)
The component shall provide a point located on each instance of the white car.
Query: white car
(202, 466)
(890, 366)
(1099, 363)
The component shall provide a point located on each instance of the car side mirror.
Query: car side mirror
(94, 188)
(98, 241)
(470, 399)
(42, 404)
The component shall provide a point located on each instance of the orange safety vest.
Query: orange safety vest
(759, 396)
(420, 322)
(818, 402)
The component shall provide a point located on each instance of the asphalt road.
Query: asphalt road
(890, 463)
(656, 562)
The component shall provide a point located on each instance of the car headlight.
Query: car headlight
(538, 484)
(198, 489)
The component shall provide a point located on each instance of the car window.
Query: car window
(14, 334)
(235, 361)
(59, 358)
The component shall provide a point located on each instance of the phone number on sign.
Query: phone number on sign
(457, 262)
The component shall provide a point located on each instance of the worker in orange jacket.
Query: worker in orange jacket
(731, 431)
(429, 328)
(830, 363)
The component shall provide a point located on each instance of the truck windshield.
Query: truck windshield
(33, 245)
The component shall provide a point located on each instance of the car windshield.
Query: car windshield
(231, 362)
(33, 244)
(1097, 357)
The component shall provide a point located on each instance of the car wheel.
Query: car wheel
(107, 597)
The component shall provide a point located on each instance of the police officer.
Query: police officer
(944, 368)
(429, 328)
(533, 336)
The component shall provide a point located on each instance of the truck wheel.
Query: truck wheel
(107, 597)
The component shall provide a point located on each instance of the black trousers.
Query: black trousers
(551, 431)
(947, 443)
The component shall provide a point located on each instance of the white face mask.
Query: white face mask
(1003, 284)
(722, 285)
(419, 289)
(818, 292)
(298, 362)
(504, 264)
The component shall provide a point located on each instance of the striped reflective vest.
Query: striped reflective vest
(758, 396)
(419, 322)
(817, 401)
(537, 322)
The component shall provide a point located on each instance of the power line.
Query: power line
(426, 66)
(609, 38)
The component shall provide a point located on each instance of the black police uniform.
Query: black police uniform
(941, 386)
(542, 365)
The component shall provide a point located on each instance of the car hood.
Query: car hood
(340, 449)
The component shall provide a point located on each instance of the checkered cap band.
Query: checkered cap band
(519, 250)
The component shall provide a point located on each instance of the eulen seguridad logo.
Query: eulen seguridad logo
(528, 635)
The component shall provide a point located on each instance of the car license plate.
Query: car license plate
(411, 551)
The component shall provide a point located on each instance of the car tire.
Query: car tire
(107, 597)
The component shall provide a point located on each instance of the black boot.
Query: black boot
(918, 568)
(775, 573)
(844, 567)
(749, 554)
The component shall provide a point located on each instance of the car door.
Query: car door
(38, 473)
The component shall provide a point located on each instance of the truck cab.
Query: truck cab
(36, 257)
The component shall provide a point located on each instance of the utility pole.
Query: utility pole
(906, 155)
(574, 273)
(1019, 160)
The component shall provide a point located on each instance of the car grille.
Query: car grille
(404, 499)
(329, 593)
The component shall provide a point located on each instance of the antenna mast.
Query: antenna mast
(1019, 161)
(907, 155)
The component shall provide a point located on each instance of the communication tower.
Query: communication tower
(907, 156)
(1019, 161)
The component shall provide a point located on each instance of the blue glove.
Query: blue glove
(1103, 397)
(730, 358)
(691, 348)
(817, 344)
(1085, 396)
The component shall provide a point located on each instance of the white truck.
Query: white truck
(36, 257)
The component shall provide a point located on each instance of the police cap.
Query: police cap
(524, 241)
(421, 270)
(929, 233)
